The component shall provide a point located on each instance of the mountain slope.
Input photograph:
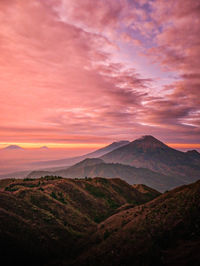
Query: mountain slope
(146, 191)
(96, 167)
(148, 152)
(165, 231)
(73, 160)
(43, 220)
(111, 147)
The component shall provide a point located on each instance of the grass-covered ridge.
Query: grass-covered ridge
(47, 217)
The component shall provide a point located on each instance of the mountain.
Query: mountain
(148, 152)
(73, 160)
(44, 148)
(145, 160)
(165, 231)
(85, 163)
(97, 167)
(44, 220)
(39, 173)
(113, 146)
(13, 147)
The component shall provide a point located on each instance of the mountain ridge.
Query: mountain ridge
(130, 174)
(43, 220)
(164, 231)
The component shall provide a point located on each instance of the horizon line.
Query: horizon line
(32, 145)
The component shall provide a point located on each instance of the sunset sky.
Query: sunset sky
(89, 72)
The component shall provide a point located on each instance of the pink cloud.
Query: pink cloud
(93, 16)
(129, 39)
(177, 49)
(53, 70)
(62, 71)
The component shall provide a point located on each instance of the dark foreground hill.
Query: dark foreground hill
(43, 221)
(165, 231)
(56, 221)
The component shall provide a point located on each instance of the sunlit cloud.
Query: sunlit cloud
(93, 72)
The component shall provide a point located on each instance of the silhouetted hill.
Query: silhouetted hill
(165, 231)
(56, 221)
(148, 152)
(43, 220)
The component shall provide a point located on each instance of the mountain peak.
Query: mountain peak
(193, 153)
(148, 141)
(119, 143)
(149, 138)
(13, 147)
(44, 148)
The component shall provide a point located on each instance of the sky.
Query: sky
(86, 73)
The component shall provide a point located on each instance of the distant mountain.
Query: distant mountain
(148, 152)
(73, 160)
(83, 164)
(13, 147)
(165, 231)
(44, 148)
(39, 173)
(97, 167)
(45, 220)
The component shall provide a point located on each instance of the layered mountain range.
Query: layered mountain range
(106, 210)
(145, 160)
